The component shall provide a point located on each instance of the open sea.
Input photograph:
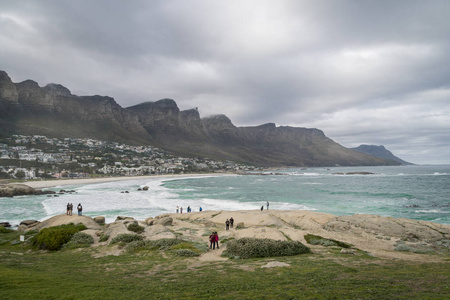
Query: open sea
(413, 192)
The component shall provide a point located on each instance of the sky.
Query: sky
(364, 72)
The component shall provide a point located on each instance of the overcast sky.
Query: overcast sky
(364, 72)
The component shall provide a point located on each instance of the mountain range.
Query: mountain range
(52, 110)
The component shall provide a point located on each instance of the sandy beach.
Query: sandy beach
(41, 184)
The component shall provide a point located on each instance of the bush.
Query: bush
(162, 244)
(137, 246)
(187, 253)
(318, 240)
(252, 247)
(104, 237)
(4, 230)
(78, 240)
(135, 228)
(126, 238)
(53, 238)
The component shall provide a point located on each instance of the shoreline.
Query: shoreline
(42, 184)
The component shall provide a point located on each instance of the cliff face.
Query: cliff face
(27, 108)
(52, 110)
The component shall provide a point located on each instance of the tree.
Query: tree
(20, 174)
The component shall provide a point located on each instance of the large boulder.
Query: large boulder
(166, 221)
(28, 222)
(10, 190)
(99, 220)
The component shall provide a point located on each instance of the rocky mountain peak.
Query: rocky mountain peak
(8, 89)
(57, 89)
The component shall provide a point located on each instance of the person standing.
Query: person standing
(216, 239)
(212, 241)
(231, 222)
(227, 224)
(80, 209)
(181, 209)
(178, 209)
(267, 204)
(68, 209)
(71, 208)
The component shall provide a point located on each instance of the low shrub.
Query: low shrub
(78, 240)
(163, 244)
(53, 238)
(104, 237)
(137, 246)
(126, 238)
(252, 247)
(318, 240)
(4, 230)
(135, 228)
(187, 253)
(412, 248)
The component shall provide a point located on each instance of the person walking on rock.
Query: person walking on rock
(71, 208)
(68, 209)
(80, 209)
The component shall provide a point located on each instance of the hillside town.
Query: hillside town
(31, 157)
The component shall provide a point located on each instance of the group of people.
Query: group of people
(70, 209)
(214, 240)
(180, 209)
(229, 223)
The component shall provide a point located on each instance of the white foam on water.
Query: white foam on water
(430, 211)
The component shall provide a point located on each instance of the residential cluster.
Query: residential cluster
(29, 157)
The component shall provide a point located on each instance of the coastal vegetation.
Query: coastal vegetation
(253, 247)
(173, 274)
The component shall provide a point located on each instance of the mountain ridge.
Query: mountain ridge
(27, 108)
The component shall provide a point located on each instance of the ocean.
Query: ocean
(413, 192)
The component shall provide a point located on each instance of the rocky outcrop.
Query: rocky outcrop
(15, 189)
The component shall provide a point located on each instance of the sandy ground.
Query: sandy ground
(41, 184)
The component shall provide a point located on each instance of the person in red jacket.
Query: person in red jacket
(212, 241)
(216, 239)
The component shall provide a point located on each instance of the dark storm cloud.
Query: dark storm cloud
(372, 72)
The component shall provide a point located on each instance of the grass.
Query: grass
(30, 274)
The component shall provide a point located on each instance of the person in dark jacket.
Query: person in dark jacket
(231, 222)
(80, 209)
(227, 224)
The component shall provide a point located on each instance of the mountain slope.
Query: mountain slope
(27, 108)
(381, 152)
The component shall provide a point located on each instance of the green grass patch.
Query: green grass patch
(26, 274)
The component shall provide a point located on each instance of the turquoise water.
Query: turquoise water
(413, 192)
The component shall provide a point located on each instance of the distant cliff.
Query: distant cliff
(381, 152)
(27, 108)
